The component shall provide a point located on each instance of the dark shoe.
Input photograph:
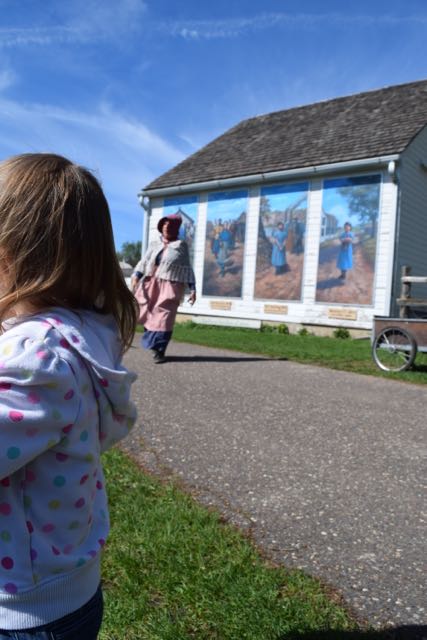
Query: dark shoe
(159, 357)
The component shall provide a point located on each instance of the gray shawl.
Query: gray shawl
(174, 265)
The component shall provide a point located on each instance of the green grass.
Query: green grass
(335, 353)
(173, 570)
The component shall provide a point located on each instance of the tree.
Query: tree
(130, 252)
(363, 201)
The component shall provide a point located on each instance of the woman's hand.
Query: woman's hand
(192, 298)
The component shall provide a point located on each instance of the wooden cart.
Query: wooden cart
(395, 341)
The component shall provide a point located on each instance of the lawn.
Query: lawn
(335, 353)
(174, 570)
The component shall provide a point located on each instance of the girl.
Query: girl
(67, 317)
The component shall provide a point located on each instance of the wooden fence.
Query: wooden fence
(406, 300)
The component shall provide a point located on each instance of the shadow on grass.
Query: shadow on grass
(413, 632)
(218, 359)
(420, 368)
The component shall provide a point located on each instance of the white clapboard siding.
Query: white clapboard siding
(385, 246)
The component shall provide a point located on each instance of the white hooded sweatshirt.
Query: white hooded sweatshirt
(64, 398)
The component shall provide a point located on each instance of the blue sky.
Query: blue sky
(280, 198)
(227, 205)
(131, 87)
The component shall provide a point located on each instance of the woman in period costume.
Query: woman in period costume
(159, 282)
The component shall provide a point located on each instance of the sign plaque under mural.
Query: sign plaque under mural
(342, 314)
(220, 305)
(280, 309)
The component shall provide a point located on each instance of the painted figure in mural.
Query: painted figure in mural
(345, 255)
(278, 253)
(159, 281)
(221, 257)
(298, 229)
(215, 243)
(232, 228)
(217, 228)
(226, 238)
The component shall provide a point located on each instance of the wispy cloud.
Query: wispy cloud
(21, 37)
(122, 151)
(103, 139)
(78, 22)
(231, 28)
(7, 79)
(104, 18)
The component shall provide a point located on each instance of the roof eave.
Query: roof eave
(302, 172)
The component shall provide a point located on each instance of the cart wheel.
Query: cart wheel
(394, 349)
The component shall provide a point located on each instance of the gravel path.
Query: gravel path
(324, 468)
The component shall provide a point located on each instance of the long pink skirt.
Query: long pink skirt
(160, 303)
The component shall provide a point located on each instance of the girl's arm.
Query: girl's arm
(39, 401)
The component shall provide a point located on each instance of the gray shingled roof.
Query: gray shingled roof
(365, 125)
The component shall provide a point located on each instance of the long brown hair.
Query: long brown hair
(57, 241)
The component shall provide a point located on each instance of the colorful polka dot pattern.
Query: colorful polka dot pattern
(50, 406)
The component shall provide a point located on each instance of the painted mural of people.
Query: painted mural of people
(225, 238)
(299, 230)
(221, 257)
(215, 239)
(345, 255)
(232, 228)
(278, 253)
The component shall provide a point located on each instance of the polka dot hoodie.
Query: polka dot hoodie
(64, 398)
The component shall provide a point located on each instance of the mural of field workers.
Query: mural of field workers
(186, 207)
(348, 241)
(281, 235)
(225, 241)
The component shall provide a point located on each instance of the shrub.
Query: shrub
(303, 332)
(283, 329)
(342, 332)
(267, 328)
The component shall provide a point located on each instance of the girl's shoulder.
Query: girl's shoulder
(30, 350)
(22, 332)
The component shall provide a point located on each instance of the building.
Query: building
(315, 208)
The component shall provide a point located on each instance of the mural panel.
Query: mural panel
(186, 207)
(225, 243)
(281, 236)
(348, 241)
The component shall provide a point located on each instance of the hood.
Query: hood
(95, 338)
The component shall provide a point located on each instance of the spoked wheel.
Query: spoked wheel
(394, 349)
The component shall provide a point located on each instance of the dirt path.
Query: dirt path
(286, 286)
(355, 289)
(229, 285)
